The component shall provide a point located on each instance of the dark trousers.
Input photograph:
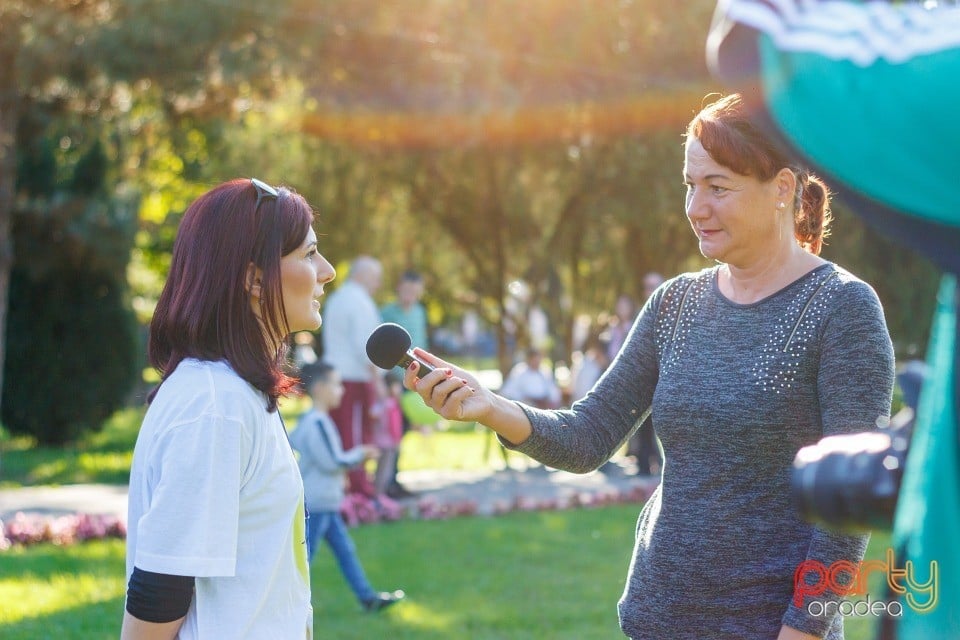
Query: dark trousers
(643, 445)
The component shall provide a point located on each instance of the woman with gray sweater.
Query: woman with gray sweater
(741, 364)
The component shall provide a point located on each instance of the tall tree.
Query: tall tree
(512, 121)
(89, 60)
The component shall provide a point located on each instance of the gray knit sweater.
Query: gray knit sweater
(735, 390)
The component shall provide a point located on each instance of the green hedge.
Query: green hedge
(72, 353)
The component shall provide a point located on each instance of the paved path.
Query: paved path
(65, 499)
(497, 491)
(489, 491)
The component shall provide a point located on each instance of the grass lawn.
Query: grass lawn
(535, 576)
(105, 456)
(98, 457)
(553, 575)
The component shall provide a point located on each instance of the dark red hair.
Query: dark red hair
(729, 134)
(204, 311)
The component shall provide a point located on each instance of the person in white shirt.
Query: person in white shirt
(350, 316)
(216, 519)
(532, 383)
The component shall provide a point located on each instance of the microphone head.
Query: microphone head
(387, 345)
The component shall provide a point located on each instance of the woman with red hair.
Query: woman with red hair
(216, 542)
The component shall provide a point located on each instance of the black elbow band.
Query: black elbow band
(158, 597)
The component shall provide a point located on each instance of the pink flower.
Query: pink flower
(526, 503)
(5, 542)
(389, 510)
(465, 508)
(68, 529)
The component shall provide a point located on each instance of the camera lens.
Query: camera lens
(850, 482)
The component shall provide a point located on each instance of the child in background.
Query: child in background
(323, 465)
(389, 432)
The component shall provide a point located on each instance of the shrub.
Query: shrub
(71, 343)
(71, 353)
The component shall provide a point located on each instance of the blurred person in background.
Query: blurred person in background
(408, 312)
(350, 316)
(532, 382)
(624, 313)
(643, 444)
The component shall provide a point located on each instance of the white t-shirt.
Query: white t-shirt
(534, 386)
(215, 493)
(350, 315)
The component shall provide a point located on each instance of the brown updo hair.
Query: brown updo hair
(733, 139)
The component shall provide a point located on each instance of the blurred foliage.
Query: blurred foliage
(496, 147)
(71, 347)
(83, 86)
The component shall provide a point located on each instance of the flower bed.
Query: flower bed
(32, 528)
(357, 509)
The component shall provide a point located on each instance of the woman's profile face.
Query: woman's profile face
(303, 272)
(735, 217)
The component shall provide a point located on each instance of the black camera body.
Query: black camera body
(851, 482)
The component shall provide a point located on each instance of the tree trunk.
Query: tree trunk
(493, 208)
(8, 129)
(10, 22)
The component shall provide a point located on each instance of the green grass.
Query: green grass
(524, 575)
(105, 456)
(53, 592)
(541, 575)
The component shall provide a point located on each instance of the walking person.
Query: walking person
(643, 445)
(323, 463)
(742, 364)
(216, 532)
(350, 316)
(408, 312)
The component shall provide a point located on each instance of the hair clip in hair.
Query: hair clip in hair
(263, 191)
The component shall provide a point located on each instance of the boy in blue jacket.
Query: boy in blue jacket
(323, 465)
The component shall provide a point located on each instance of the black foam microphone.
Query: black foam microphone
(389, 346)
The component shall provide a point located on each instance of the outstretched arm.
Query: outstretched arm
(456, 394)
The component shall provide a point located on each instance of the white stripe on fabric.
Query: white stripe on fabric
(861, 33)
